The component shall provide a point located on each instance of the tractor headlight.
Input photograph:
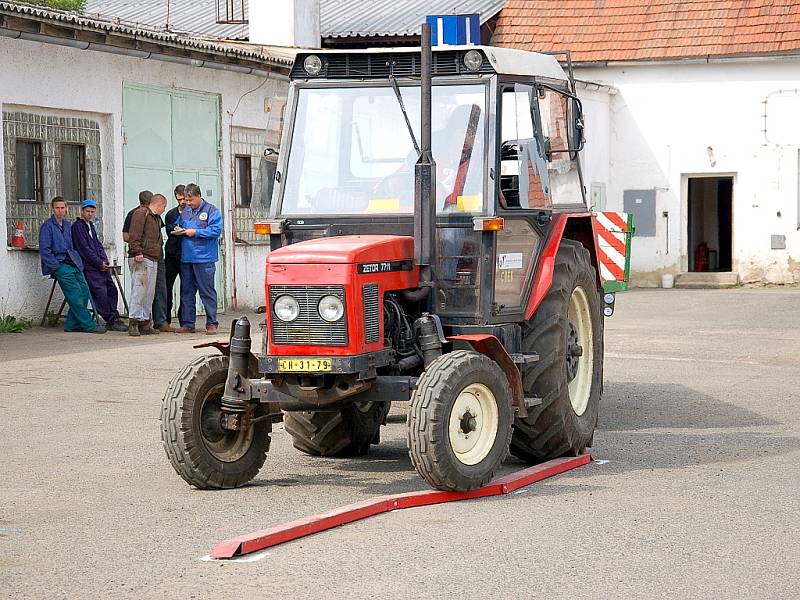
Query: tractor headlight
(312, 65)
(286, 308)
(473, 60)
(331, 308)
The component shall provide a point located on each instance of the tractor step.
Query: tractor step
(531, 401)
(524, 358)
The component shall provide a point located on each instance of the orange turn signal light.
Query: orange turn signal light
(489, 224)
(268, 227)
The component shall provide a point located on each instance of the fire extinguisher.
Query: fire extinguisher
(18, 239)
(701, 257)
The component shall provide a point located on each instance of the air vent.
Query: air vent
(372, 324)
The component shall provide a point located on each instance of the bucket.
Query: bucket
(667, 281)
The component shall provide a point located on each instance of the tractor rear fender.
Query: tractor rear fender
(491, 347)
(579, 227)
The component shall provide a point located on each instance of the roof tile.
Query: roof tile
(607, 30)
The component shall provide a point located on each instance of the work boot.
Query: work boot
(211, 329)
(185, 329)
(165, 328)
(117, 326)
(133, 327)
(98, 329)
(146, 328)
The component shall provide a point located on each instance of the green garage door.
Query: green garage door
(172, 137)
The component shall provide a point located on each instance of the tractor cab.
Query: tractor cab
(430, 243)
(506, 131)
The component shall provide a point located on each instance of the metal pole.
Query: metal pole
(425, 174)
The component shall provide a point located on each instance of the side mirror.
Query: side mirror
(576, 125)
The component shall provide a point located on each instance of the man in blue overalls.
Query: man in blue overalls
(200, 224)
(62, 262)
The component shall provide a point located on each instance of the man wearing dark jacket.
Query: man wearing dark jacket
(144, 251)
(172, 249)
(62, 262)
(95, 266)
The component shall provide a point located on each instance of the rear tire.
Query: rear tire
(200, 451)
(347, 432)
(570, 385)
(459, 425)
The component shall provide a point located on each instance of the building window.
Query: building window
(73, 172)
(244, 181)
(29, 171)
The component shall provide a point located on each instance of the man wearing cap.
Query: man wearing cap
(95, 266)
(62, 262)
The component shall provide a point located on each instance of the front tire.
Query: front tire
(459, 425)
(203, 453)
(348, 431)
(567, 333)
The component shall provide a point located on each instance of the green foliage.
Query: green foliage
(11, 324)
(72, 5)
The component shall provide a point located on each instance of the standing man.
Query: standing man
(144, 252)
(200, 224)
(159, 310)
(62, 262)
(95, 266)
(172, 249)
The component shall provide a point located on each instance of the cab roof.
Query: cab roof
(504, 61)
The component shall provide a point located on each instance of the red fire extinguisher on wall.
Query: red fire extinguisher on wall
(701, 257)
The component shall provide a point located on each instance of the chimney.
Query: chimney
(291, 23)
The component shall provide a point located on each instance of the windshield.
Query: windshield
(351, 151)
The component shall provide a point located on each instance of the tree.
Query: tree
(72, 5)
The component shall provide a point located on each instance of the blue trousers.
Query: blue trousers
(104, 293)
(76, 291)
(198, 277)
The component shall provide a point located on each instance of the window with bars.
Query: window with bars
(73, 172)
(29, 171)
(244, 181)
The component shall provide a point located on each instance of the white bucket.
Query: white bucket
(667, 281)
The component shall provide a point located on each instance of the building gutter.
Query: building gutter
(700, 60)
(133, 53)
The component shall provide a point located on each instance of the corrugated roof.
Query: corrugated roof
(262, 54)
(189, 16)
(625, 30)
(367, 18)
(338, 18)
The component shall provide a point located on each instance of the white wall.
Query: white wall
(68, 79)
(664, 119)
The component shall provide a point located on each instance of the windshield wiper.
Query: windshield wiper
(396, 89)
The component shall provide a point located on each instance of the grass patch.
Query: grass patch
(11, 324)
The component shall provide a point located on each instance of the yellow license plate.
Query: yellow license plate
(304, 365)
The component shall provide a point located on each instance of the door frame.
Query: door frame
(684, 227)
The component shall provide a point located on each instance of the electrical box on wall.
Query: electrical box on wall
(642, 205)
(597, 196)
(778, 242)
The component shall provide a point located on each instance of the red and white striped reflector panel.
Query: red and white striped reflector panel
(612, 229)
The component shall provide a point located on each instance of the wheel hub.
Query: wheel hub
(224, 444)
(468, 422)
(473, 424)
(574, 351)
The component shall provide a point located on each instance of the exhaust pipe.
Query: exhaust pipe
(425, 178)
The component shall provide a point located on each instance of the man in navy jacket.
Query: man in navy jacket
(200, 224)
(95, 266)
(62, 262)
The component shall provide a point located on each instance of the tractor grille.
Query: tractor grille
(382, 65)
(308, 328)
(372, 324)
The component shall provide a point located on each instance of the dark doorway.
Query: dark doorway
(710, 210)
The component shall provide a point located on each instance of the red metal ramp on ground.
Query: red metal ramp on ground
(293, 530)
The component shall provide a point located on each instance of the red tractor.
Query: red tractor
(449, 262)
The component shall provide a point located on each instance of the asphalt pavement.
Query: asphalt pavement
(694, 492)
